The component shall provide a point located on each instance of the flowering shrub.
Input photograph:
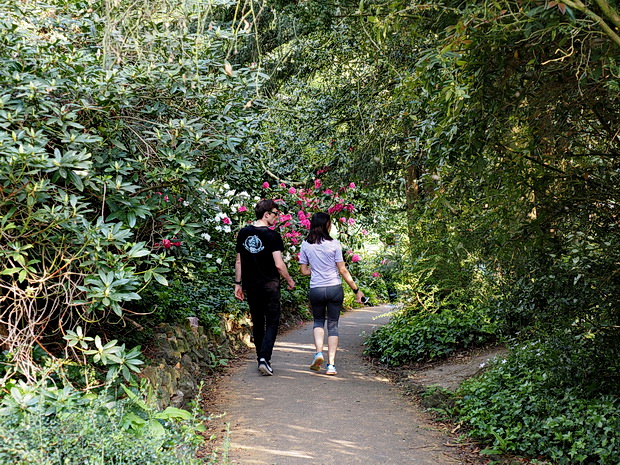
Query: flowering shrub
(300, 203)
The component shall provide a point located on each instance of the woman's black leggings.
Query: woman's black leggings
(326, 301)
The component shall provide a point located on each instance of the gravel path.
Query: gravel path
(299, 416)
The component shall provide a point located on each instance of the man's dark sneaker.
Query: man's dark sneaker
(265, 367)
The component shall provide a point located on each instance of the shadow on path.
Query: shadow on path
(299, 416)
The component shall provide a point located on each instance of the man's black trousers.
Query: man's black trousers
(264, 302)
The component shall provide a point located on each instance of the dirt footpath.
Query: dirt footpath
(299, 416)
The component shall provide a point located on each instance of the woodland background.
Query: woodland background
(468, 152)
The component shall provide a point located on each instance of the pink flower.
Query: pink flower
(166, 243)
(305, 223)
(355, 258)
(177, 244)
(292, 190)
(226, 220)
(376, 275)
(364, 232)
(165, 198)
(328, 192)
(282, 184)
(242, 208)
(351, 221)
(301, 215)
(343, 220)
(265, 185)
(317, 183)
(284, 218)
(350, 207)
(352, 185)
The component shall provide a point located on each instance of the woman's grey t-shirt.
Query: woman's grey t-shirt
(322, 259)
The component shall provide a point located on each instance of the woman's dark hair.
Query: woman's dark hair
(319, 228)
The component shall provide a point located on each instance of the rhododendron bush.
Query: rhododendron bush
(298, 204)
(103, 156)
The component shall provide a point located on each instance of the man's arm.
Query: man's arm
(238, 289)
(282, 269)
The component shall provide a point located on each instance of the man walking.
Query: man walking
(258, 268)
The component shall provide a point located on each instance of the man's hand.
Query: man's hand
(358, 297)
(239, 292)
(291, 284)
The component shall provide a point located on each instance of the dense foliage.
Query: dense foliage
(519, 409)
(109, 138)
(410, 338)
(476, 142)
(47, 425)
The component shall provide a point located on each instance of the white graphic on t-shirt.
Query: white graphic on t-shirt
(253, 244)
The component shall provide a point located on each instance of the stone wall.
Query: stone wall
(181, 357)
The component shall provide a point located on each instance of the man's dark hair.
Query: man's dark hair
(319, 231)
(263, 206)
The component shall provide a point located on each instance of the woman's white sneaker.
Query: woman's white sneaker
(331, 370)
(317, 362)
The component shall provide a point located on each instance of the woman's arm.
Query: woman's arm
(342, 268)
(305, 269)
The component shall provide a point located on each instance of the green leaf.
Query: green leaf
(172, 412)
(160, 279)
(8, 271)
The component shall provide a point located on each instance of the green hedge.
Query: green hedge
(92, 435)
(414, 337)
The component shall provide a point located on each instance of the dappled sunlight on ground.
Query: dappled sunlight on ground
(303, 417)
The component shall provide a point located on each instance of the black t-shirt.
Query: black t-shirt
(256, 246)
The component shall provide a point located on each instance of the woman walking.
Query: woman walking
(321, 259)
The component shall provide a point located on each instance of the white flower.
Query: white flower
(206, 236)
(226, 228)
(218, 261)
(226, 186)
(209, 255)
